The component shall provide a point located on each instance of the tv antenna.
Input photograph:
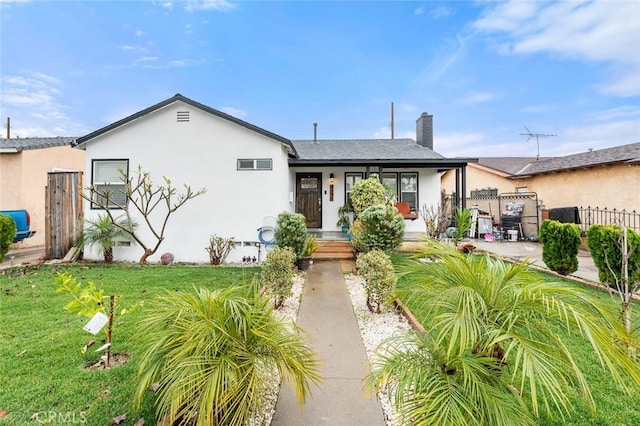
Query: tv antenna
(537, 136)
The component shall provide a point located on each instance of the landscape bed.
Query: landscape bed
(612, 406)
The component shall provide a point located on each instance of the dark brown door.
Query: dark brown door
(309, 198)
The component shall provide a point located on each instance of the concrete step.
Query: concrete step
(329, 250)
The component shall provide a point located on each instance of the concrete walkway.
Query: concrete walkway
(327, 313)
(520, 250)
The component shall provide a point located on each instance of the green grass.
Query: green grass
(613, 407)
(41, 366)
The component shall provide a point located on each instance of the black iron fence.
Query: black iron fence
(594, 215)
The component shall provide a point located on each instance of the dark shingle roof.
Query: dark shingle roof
(20, 144)
(509, 165)
(625, 153)
(363, 149)
(367, 152)
(178, 97)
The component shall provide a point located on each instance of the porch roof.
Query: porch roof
(371, 152)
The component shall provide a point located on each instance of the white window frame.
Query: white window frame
(256, 164)
(106, 173)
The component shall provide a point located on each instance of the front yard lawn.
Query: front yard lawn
(613, 406)
(41, 364)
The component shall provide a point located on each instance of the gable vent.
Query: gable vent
(183, 116)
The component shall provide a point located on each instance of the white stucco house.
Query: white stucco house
(251, 174)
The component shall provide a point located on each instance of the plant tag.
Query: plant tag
(103, 347)
(96, 323)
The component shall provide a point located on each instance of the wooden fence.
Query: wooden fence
(63, 208)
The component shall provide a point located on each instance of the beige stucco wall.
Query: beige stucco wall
(23, 178)
(615, 186)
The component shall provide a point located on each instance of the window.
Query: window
(350, 178)
(255, 164)
(107, 179)
(390, 183)
(409, 189)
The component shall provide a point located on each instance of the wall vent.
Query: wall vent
(183, 116)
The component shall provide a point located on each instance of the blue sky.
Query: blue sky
(485, 69)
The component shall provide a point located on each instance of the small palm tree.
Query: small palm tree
(490, 348)
(103, 232)
(213, 354)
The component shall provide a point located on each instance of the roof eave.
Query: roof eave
(9, 150)
(432, 163)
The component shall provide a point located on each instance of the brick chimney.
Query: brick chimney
(424, 130)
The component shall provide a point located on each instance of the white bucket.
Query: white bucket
(512, 235)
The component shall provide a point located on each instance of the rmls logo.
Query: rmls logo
(60, 417)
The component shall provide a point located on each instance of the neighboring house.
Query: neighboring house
(606, 178)
(24, 165)
(251, 175)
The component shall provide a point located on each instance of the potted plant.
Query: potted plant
(344, 220)
(104, 233)
(310, 247)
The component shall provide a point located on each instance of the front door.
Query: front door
(309, 198)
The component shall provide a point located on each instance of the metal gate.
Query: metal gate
(512, 211)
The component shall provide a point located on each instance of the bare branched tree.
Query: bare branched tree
(435, 218)
(142, 196)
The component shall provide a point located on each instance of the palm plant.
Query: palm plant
(490, 349)
(103, 233)
(214, 353)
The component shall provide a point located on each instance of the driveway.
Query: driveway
(19, 256)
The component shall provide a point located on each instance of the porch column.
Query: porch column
(464, 187)
(457, 197)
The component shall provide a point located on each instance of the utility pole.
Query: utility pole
(392, 121)
(535, 135)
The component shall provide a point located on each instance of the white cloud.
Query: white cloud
(443, 61)
(419, 11)
(33, 101)
(235, 112)
(457, 144)
(440, 12)
(217, 5)
(478, 98)
(126, 47)
(140, 33)
(622, 112)
(595, 31)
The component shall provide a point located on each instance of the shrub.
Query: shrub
(378, 227)
(291, 231)
(219, 249)
(104, 233)
(277, 273)
(7, 234)
(561, 242)
(380, 280)
(310, 245)
(605, 245)
(214, 355)
(366, 193)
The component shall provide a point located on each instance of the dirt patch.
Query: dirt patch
(116, 361)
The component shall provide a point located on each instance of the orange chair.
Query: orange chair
(405, 210)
